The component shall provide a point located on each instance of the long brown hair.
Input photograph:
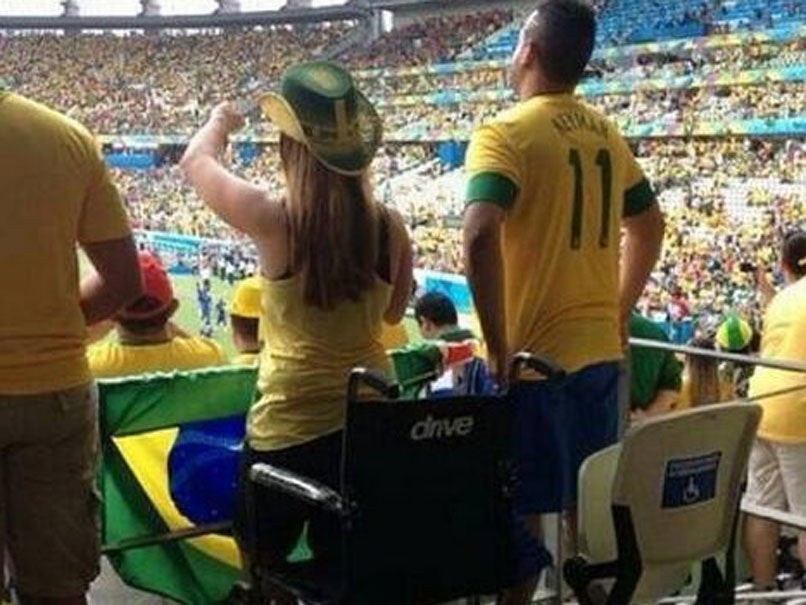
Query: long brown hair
(334, 228)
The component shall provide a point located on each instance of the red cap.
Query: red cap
(156, 285)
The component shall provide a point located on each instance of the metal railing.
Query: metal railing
(782, 517)
(778, 364)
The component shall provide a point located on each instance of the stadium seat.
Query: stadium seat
(663, 500)
(426, 483)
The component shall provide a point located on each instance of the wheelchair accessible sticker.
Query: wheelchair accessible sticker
(690, 481)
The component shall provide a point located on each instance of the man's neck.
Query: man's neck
(537, 86)
(134, 339)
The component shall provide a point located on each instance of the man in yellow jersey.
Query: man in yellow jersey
(551, 184)
(777, 469)
(147, 339)
(244, 316)
(56, 196)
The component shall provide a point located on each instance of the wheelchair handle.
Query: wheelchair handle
(542, 365)
(297, 486)
(374, 380)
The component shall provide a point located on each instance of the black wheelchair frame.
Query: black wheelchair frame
(424, 501)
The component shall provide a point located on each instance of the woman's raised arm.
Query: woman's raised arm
(239, 203)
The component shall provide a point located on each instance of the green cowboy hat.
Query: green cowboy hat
(319, 105)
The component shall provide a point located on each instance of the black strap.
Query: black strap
(384, 266)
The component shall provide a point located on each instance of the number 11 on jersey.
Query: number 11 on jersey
(606, 172)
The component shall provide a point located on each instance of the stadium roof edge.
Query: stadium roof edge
(244, 19)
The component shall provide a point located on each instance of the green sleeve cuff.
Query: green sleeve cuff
(638, 198)
(491, 187)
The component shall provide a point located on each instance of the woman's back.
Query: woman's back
(335, 264)
(308, 356)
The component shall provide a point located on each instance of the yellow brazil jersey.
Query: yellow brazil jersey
(565, 177)
(56, 193)
(784, 338)
(112, 359)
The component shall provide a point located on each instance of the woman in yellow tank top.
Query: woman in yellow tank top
(335, 266)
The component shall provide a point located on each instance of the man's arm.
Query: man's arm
(116, 281)
(484, 267)
(643, 237)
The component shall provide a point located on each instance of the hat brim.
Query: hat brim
(351, 157)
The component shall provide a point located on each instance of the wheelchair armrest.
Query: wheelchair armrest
(297, 486)
(542, 365)
(372, 379)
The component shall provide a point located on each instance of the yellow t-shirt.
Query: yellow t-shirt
(394, 336)
(784, 338)
(565, 177)
(112, 359)
(56, 192)
(246, 359)
(307, 360)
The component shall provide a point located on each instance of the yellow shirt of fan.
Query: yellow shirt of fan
(784, 339)
(394, 336)
(246, 359)
(56, 193)
(113, 359)
(566, 177)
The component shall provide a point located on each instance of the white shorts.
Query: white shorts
(777, 476)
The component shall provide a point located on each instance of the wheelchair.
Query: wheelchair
(424, 503)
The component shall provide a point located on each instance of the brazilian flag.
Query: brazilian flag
(145, 421)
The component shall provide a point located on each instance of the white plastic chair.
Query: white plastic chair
(665, 498)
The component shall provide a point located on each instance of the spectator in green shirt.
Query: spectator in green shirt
(655, 376)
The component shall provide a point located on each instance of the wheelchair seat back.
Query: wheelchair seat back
(430, 483)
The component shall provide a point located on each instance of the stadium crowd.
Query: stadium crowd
(139, 84)
(164, 84)
(433, 40)
(729, 204)
(688, 109)
(655, 64)
(136, 84)
(728, 201)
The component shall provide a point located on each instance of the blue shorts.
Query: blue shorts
(560, 424)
